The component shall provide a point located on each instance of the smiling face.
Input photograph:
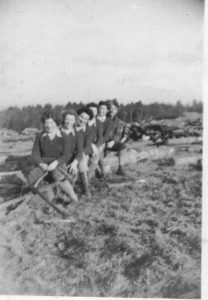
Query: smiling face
(69, 121)
(50, 125)
(83, 119)
(113, 110)
(102, 110)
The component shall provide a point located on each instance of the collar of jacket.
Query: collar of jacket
(83, 128)
(102, 119)
(68, 131)
(53, 134)
(92, 122)
(115, 118)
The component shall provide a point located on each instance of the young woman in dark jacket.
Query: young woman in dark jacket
(74, 141)
(50, 153)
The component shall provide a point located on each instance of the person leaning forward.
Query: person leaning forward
(50, 153)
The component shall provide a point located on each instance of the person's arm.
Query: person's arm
(66, 150)
(88, 140)
(99, 133)
(118, 131)
(36, 153)
(108, 131)
(79, 153)
(79, 146)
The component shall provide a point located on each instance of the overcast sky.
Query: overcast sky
(85, 50)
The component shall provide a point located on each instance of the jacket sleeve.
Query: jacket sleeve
(118, 131)
(79, 146)
(88, 141)
(107, 133)
(99, 133)
(36, 151)
(66, 151)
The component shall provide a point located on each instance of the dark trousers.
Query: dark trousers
(120, 148)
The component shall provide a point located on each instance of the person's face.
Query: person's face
(69, 121)
(103, 110)
(94, 110)
(113, 110)
(50, 125)
(83, 119)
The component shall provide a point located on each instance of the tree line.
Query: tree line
(18, 119)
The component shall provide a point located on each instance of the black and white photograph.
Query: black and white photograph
(101, 148)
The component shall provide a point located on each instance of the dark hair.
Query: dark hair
(70, 111)
(114, 102)
(92, 104)
(86, 110)
(103, 103)
(48, 114)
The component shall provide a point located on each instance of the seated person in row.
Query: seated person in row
(75, 142)
(117, 138)
(96, 138)
(84, 116)
(103, 109)
(51, 151)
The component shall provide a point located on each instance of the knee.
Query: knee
(56, 175)
(34, 175)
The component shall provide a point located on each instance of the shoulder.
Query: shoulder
(119, 121)
(98, 122)
(78, 133)
(107, 121)
(64, 135)
(88, 129)
(39, 135)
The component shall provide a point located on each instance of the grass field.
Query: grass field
(139, 236)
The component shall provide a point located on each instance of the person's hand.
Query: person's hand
(95, 151)
(53, 165)
(110, 144)
(124, 139)
(43, 166)
(73, 167)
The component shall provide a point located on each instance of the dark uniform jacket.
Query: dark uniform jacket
(86, 139)
(96, 134)
(117, 129)
(107, 127)
(46, 150)
(74, 145)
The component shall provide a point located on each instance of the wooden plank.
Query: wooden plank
(8, 173)
(24, 197)
(63, 221)
(9, 185)
(7, 203)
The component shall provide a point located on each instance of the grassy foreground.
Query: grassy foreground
(139, 239)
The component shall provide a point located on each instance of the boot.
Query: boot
(120, 171)
(100, 173)
(102, 168)
(85, 184)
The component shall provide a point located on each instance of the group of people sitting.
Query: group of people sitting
(78, 146)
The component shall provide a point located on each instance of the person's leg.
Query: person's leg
(121, 161)
(101, 161)
(120, 148)
(65, 185)
(93, 161)
(34, 175)
(83, 169)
